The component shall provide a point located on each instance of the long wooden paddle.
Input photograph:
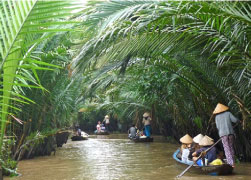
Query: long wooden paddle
(201, 155)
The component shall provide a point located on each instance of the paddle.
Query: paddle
(201, 155)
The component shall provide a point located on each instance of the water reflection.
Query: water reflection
(113, 157)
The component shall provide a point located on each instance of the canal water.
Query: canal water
(114, 157)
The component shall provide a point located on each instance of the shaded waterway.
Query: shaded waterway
(113, 157)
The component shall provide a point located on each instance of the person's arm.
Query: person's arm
(194, 154)
(216, 122)
(197, 152)
(233, 118)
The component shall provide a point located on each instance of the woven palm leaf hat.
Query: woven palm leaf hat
(146, 114)
(106, 117)
(206, 141)
(220, 108)
(186, 139)
(198, 138)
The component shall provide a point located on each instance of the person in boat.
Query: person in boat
(106, 121)
(78, 132)
(132, 132)
(195, 145)
(103, 129)
(184, 149)
(98, 127)
(147, 124)
(224, 120)
(205, 143)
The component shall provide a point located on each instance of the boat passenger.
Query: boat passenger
(103, 128)
(184, 156)
(224, 120)
(147, 123)
(195, 145)
(205, 143)
(186, 143)
(79, 132)
(106, 121)
(98, 126)
(132, 132)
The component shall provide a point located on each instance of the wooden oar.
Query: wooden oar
(202, 154)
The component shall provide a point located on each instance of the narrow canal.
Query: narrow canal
(113, 157)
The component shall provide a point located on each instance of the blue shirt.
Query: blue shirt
(211, 155)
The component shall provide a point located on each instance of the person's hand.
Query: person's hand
(203, 153)
(194, 154)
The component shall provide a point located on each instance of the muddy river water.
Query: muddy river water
(114, 157)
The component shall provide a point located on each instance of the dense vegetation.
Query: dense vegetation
(64, 66)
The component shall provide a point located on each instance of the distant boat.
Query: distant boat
(214, 170)
(84, 136)
(142, 139)
(102, 133)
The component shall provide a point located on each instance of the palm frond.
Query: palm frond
(18, 20)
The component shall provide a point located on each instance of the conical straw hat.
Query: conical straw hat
(186, 139)
(210, 138)
(198, 138)
(206, 141)
(220, 108)
(146, 114)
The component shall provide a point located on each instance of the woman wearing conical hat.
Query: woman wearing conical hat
(195, 145)
(186, 143)
(106, 121)
(205, 143)
(224, 120)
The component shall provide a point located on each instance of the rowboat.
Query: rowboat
(78, 138)
(142, 139)
(84, 136)
(214, 170)
(102, 133)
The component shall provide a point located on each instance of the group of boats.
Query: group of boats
(214, 170)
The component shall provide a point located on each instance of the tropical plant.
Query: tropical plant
(25, 25)
(130, 32)
(202, 50)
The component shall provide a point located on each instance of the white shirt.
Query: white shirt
(185, 154)
(107, 121)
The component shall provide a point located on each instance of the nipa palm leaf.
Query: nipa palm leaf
(23, 25)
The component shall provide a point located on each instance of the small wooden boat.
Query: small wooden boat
(214, 170)
(142, 139)
(84, 136)
(102, 133)
(78, 138)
